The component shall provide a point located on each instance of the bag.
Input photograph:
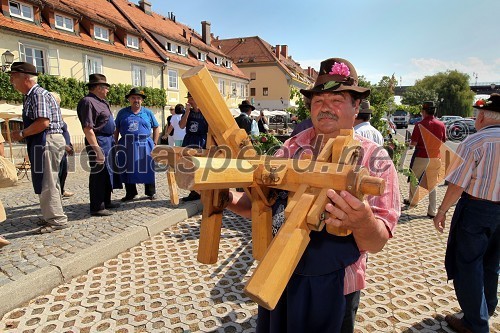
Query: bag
(8, 173)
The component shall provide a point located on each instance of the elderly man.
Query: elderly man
(323, 293)
(427, 137)
(362, 124)
(134, 125)
(98, 126)
(473, 251)
(42, 122)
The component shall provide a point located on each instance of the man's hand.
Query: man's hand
(440, 221)
(99, 156)
(348, 212)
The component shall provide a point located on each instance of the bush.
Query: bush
(266, 144)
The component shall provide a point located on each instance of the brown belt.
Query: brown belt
(468, 196)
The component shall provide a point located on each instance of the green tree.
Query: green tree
(300, 110)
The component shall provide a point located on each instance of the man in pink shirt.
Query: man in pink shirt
(323, 293)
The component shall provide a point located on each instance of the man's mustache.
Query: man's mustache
(327, 115)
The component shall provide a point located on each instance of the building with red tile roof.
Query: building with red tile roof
(271, 69)
(128, 43)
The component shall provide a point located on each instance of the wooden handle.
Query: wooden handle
(369, 185)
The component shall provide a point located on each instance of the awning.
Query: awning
(12, 112)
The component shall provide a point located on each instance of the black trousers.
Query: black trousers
(131, 190)
(99, 187)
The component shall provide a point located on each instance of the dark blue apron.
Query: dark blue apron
(135, 163)
(313, 300)
(35, 146)
(106, 142)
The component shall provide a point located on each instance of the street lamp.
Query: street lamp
(7, 60)
(493, 86)
(475, 75)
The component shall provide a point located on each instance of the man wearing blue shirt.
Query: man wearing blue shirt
(133, 125)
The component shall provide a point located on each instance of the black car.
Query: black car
(459, 129)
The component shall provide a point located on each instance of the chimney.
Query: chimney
(309, 73)
(277, 51)
(184, 34)
(145, 5)
(205, 32)
(284, 51)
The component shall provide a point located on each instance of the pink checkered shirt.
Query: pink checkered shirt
(385, 207)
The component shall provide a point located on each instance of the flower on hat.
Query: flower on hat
(481, 102)
(339, 68)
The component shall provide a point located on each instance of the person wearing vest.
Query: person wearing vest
(98, 126)
(473, 249)
(134, 125)
(324, 290)
(42, 131)
(196, 133)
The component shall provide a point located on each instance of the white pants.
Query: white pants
(50, 197)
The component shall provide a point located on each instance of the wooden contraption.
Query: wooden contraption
(232, 162)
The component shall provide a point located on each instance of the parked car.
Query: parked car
(401, 118)
(458, 130)
(446, 119)
(415, 120)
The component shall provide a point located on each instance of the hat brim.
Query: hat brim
(128, 95)
(246, 106)
(486, 108)
(96, 83)
(30, 73)
(364, 92)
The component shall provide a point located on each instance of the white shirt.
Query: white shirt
(366, 130)
(178, 132)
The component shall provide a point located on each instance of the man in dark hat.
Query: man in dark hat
(362, 124)
(427, 137)
(243, 120)
(331, 265)
(98, 126)
(196, 133)
(42, 131)
(134, 125)
(473, 251)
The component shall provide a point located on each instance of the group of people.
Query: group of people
(323, 293)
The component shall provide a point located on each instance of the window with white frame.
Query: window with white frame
(243, 90)
(133, 41)
(228, 64)
(34, 55)
(101, 33)
(93, 65)
(21, 10)
(170, 47)
(173, 79)
(138, 76)
(234, 91)
(202, 56)
(222, 87)
(216, 61)
(181, 50)
(64, 23)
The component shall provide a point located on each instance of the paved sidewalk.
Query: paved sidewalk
(158, 286)
(33, 264)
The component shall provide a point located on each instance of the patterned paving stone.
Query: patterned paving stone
(158, 286)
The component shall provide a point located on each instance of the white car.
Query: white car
(446, 119)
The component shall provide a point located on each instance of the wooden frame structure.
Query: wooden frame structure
(230, 161)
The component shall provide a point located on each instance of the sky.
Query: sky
(408, 38)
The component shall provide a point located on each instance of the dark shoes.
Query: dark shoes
(102, 212)
(152, 197)
(112, 205)
(127, 198)
(456, 324)
(191, 197)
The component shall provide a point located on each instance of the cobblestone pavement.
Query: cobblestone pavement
(158, 286)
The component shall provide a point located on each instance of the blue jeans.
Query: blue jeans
(477, 261)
